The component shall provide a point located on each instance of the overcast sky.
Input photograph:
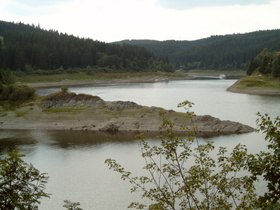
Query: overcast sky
(115, 20)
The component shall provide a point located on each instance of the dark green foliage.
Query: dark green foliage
(276, 66)
(253, 65)
(33, 50)
(71, 205)
(267, 164)
(6, 77)
(7, 91)
(266, 63)
(22, 185)
(22, 93)
(17, 93)
(64, 89)
(229, 52)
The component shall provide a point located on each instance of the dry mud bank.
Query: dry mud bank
(70, 111)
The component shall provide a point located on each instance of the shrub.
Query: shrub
(64, 89)
(22, 185)
(22, 93)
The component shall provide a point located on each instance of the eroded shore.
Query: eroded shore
(70, 111)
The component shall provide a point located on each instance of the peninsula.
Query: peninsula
(71, 111)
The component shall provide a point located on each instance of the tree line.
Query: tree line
(267, 63)
(30, 49)
(228, 52)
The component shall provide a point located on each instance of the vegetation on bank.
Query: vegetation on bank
(82, 76)
(12, 94)
(266, 63)
(262, 82)
(263, 75)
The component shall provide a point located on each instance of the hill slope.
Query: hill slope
(30, 49)
(216, 52)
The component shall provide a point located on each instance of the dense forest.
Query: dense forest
(229, 52)
(28, 49)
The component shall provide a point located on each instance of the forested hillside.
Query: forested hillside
(29, 49)
(229, 52)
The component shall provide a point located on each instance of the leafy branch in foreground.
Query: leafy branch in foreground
(267, 164)
(186, 173)
(21, 185)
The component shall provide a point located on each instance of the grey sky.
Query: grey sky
(188, 4)
(114, 20)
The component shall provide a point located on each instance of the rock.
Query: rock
(137, 118)
(110, 128)
(209, 124)
(63, 100)
(122, 105)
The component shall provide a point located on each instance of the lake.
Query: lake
(74, 160)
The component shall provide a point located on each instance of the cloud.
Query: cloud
(189, 4)
(114, 20)
(27, 8)
(39, 3)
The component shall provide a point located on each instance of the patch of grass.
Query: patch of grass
(21, 113)
(260, 82)
(214, 72)
(69, 110)
(252, 82)
(82, 76)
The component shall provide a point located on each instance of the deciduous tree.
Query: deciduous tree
(184, 173)
(21, 185)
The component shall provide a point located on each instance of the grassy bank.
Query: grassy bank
(217, 72)
(82, 76)
(86, 77)
(255, 84)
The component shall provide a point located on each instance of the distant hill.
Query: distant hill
(28, 49)
(228, 52)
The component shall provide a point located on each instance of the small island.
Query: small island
(71, 111)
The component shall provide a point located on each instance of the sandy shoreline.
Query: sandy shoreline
(145, 79)
(148, 79)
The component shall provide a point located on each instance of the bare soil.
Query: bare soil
(92, 113)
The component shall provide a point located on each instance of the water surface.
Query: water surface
(74, 160)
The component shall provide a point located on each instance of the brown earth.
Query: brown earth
(70, 111)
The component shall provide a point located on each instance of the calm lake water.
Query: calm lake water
(74, 160)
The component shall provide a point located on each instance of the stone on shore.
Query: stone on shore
(70, 111)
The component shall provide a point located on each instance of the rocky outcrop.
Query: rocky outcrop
(122, 105)
(65, 99)
(70, 111)
(210, 124)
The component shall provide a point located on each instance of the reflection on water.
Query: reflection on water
(64, 139)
